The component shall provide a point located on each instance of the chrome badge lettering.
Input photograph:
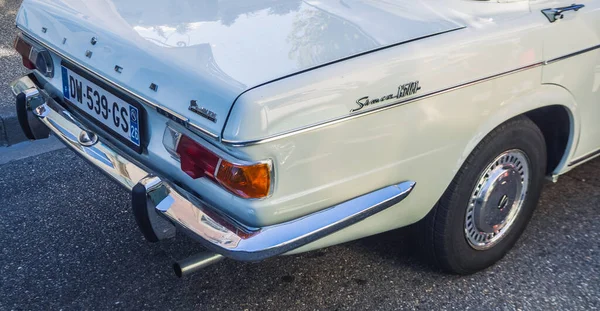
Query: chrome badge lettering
(403, 91)
(202, 111)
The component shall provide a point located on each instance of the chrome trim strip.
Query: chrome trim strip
(245, 143)
(198, 128)
(115, 85)
(554, 60)
(217, 232)
(361, 113)
(585, 158)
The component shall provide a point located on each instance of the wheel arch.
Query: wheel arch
(556, 124)
(553, 109)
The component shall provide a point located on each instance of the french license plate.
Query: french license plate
(110, 111)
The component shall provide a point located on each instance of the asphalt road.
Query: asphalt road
(69, 241)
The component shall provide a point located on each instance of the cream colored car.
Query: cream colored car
(263, 128)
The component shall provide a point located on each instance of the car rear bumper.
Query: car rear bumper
(154, 196)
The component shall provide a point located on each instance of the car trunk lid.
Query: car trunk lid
(209, 52)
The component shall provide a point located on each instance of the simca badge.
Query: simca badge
(202, 111)
(403, 91)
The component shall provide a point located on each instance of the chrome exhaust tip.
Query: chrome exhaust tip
(194, 263)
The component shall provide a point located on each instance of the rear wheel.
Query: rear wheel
(489, 202)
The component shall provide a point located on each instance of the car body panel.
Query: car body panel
(327, 161)
(437, 63)
(581, 74)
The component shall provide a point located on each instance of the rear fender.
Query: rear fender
(545, 95)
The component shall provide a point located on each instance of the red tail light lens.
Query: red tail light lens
(252, 181)
(35, 57)
(24, 49)
(196, 160)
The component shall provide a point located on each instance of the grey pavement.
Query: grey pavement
(10, 69)
(69, 241)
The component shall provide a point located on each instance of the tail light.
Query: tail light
(35, 57)
(196, 160)
(249, 181)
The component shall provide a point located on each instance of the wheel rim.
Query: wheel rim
(497, 199)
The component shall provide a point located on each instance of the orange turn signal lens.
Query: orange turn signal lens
(249, 182)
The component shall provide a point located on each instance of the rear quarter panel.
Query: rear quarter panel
(425, 140)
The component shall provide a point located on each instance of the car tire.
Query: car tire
(482, 214)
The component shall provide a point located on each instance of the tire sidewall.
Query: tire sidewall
(525, 137)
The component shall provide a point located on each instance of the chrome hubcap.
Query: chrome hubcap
(497, 199)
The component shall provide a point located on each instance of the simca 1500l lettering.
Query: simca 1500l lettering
(265, 128)
(403, 90)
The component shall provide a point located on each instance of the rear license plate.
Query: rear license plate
(109, 111)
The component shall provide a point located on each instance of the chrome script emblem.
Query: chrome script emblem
(202, 111)
(404, 90)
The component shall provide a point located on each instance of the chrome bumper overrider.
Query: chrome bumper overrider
(154, 196)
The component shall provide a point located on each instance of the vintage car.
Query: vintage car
(263, 128)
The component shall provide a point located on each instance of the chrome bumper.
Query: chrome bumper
(152, 195)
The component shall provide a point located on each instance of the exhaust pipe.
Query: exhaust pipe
(194, 263)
